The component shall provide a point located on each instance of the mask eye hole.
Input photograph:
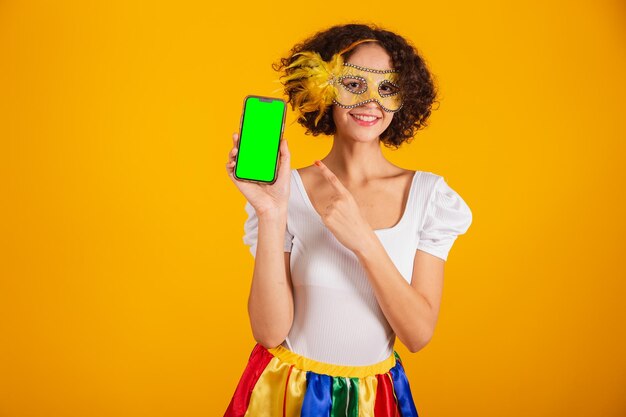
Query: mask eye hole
(354, 84)
(387, 88)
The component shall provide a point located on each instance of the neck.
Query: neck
(355, 162)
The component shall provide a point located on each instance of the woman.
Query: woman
(364, 241)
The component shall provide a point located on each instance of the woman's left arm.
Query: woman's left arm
(411, 309)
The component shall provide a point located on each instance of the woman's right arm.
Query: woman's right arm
(270, 304)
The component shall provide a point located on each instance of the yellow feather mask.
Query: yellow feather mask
(313, 81)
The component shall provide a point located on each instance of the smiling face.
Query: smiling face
(365, 122)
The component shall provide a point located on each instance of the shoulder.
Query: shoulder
(437, 184)
(445, 202)
(440, 197)
(428, 176)
(427, 183)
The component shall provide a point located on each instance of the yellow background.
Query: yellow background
(124, 277)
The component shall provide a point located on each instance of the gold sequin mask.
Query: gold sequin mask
(359, 85)
(315, 84)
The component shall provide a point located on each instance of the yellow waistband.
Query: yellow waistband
(308, 364)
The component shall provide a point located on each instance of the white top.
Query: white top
(336, 316)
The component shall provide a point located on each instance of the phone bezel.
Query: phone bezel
(282, 128)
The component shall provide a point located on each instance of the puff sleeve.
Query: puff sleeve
(251, 231)
(447, 216)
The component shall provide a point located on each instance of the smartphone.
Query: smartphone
(260, 131)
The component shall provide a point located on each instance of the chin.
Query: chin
(365, 137)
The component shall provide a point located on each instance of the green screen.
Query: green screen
(259, 139)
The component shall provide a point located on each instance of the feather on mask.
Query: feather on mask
(316, 89)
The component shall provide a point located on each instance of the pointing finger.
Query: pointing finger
(331, 177)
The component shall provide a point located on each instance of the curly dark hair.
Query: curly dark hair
(414, 79)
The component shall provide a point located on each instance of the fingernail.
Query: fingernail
(317, 163)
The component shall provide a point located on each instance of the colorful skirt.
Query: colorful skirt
(280, 383)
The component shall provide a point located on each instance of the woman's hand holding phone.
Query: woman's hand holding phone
(265, 198)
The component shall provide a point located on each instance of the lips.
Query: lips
(364, 119)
